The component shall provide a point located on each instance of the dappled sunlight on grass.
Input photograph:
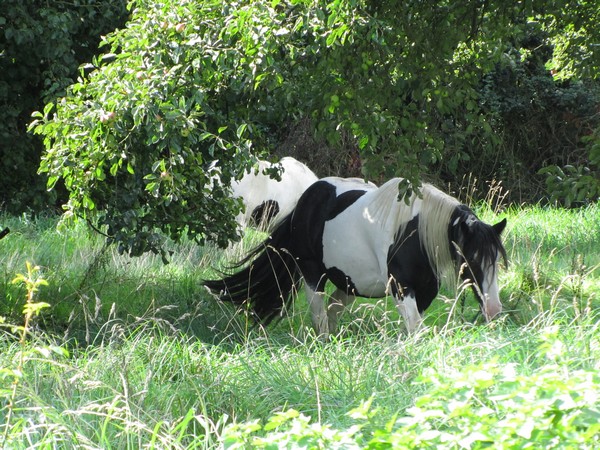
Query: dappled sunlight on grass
(153, 357)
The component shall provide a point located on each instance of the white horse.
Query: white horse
(268, 200)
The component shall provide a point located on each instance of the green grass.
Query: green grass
(133, 353)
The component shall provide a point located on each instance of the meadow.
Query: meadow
(130, 353)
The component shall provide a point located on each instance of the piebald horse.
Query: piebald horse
(368, 242)
(268, 200)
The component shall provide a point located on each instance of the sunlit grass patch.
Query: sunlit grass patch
(134, 353)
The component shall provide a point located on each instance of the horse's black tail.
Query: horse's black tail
(265, 285)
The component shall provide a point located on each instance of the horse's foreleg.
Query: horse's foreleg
(316, 301)
(407, 306)
(337, 302)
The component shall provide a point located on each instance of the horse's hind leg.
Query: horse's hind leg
(337, 302)
(316, 301)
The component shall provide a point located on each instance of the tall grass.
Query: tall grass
(135, 354)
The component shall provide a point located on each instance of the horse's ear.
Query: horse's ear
(499, 227)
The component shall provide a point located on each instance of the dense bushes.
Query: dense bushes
(365, 88)
(542, 124)
(428, 88)
(545, 123)
(42, 45)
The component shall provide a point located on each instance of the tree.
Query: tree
(195, 90)
(42, 45)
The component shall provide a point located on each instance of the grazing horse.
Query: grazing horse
(268, 200)
(368, 242)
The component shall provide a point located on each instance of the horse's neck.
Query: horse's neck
(387, 209)
(435, 214)
(434, 209)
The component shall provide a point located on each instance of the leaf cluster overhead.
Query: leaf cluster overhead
(193, 92)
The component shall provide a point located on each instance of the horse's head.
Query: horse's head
(478, 249)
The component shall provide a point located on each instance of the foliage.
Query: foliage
(42, 45)
(153, 121)
(477, 406)
(574, 53)
(549, 124)
(197, 83)
(544, 123)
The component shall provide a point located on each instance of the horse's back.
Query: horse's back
(326, 228)
(354, 244)
(347, 184)
(357, 240)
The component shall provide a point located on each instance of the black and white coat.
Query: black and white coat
(368, 243)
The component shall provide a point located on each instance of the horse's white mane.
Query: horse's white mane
(434, 208)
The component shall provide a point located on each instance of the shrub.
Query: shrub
(479, 406)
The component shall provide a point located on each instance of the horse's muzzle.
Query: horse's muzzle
(491, 308)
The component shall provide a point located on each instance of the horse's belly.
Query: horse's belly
(347, 249)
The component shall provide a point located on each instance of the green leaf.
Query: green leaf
(241, 130)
